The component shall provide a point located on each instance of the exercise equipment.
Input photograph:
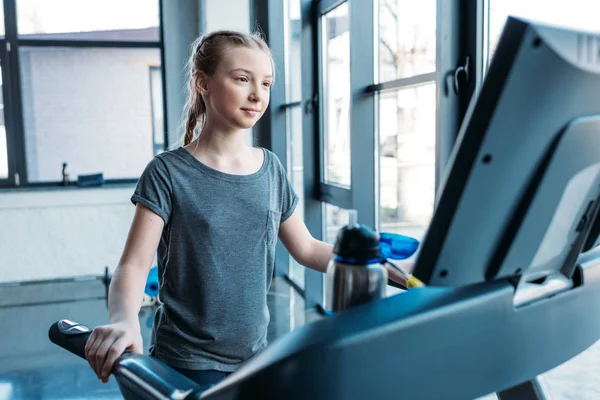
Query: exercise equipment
(510, 263)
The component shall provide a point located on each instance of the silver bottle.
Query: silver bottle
(355, 274)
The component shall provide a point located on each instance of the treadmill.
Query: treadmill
(510, 261)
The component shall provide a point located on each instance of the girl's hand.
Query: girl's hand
(108, 342)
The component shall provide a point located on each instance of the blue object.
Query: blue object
(397, 247)
(90, 180)
(152, 282)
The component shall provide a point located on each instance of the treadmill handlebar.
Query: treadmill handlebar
(70, 336)
(139, 376)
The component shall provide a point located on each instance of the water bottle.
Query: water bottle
(355, 274)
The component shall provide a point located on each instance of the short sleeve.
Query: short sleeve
(289, 199)
(154, 189)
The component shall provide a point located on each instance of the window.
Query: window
(336, 96)
(293, 97)
(88, 91)
(407, 43)
(578, 14)
(88, 107)
(156, 95)
(106, 20)
(2, 18)
(407, 159)
(335, 219)
(293, 30)
(407, 115)
(3, 147)
(296, 171)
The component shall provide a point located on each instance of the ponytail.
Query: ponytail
(195, 114)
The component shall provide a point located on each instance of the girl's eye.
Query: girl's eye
(267, 84)
(242, 79)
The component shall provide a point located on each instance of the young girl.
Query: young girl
(212, 210)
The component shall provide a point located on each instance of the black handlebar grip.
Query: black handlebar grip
(70, 336)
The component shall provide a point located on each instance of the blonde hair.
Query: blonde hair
(206, 54)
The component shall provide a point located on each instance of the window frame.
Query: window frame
(6, 83)
(12, 92)
(457, 26)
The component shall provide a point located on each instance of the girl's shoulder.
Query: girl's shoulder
(271, 159)
(163, 162)
(171, 156)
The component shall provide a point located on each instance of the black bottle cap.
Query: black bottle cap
(357, 244)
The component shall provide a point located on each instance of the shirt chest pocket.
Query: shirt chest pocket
(273, 220)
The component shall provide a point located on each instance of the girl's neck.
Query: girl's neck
(220, 143)
(226, 152)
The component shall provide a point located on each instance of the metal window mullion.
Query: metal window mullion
(321, 76)
(270, 131)
(163, 75)
(362, 123)
(458, 27)
(335, 195)
(313, 218)
(326, 6)
(481, 40)
(13, 106)
(7, 119)
(402, 82)
(87, 43)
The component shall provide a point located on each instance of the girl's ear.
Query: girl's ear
(202, 83)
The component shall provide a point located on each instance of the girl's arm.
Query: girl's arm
(125, 295)
(301, 245)
(129, 280)
(315, 254)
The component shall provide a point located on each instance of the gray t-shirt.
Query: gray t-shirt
(215, 257)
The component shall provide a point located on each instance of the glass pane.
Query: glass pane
(296, 174)
(2, 31)
(407, 159)
(3, 152)
(578, 14)
(293, 74)
(135, 20)
(3, 149)
(407, 42)
(157, 109)
(88, 107)
(335, 219)
(336, 100)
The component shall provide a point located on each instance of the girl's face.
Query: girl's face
(238, 93)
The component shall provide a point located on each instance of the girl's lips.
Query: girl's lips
(251, 111)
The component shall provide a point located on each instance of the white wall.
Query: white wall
(227, 14)
(58, 233)
(62, 233)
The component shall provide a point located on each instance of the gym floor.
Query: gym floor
(31, 367)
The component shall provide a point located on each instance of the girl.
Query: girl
(212, 211)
